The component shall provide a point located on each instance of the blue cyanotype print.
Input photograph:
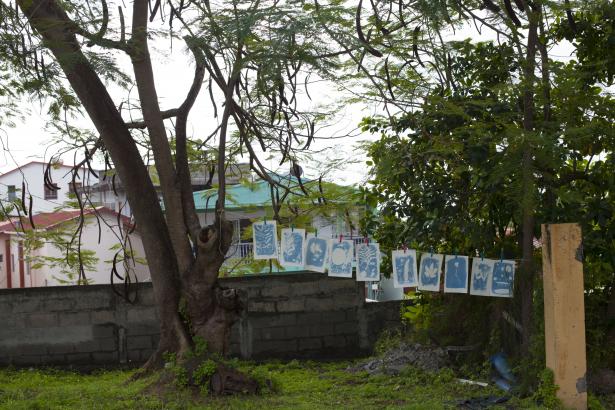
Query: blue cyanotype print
(316, 253)
(429, 273)
(291, 247)
(503, 279)
(481, 276)
(456, 274)
(265, 240)
(404, 268)
(341, 253)
(368, 262)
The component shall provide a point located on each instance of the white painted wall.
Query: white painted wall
(48, 276)
(33, 175)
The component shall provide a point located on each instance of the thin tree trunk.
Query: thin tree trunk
(526, 277)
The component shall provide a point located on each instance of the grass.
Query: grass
(297, 385)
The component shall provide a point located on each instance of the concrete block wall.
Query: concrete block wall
(288, 316)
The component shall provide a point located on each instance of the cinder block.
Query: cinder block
(275, 290)
(105, 357)
(27, 350)
(143, 328)
(347, 328)
(26, 305)
(107, 345)
(303, 289)
(141, 315)
(58, 305)
(309, 318)
(323, 329)
(102, 316)
(334, 316)
(319, 304)
(310, 344)
(139, 342)
(329, 285)
(259, 306)
(78, 358)
(297, 332)
(103, 331)
(272, 333)
(293, 305)
(74, 318)
(26, 360)
(97, 300)
(43, 319)
(277, 347)
(147, 298)
(59, 349)
(87, 347)
(268, 320)
(334, 341)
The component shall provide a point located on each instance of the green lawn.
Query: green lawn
(298, 385)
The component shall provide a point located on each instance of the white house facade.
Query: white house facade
(32, 176)
(24, 266)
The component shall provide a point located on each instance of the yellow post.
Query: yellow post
(565, 311)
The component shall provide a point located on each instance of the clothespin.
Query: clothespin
(316, 233)
(265, 220)
(366, 240)
(404, 247)
(292, 227)
(455, 253)
(501, 255)
(341, 237)
(482, 255)
(431, 251)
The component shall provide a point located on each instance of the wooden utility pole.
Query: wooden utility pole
(562, 256)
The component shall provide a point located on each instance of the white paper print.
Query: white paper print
(316, 253)
(456, 272)
(265, 238)
(482, 270)
(368, 262)
(340, 258)
(429, 272)
(404, 268)
(291, 247)
(503, 279)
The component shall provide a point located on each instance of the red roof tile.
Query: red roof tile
(46, 220)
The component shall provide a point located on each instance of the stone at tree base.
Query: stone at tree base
(228, 381)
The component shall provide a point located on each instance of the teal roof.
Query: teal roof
(245, 195)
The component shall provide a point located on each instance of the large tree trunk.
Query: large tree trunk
(211, 310)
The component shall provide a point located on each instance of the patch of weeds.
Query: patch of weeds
(545, 394)
(387, 341)
(202, 374)
(593, 403)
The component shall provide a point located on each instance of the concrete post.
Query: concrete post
(565, 311)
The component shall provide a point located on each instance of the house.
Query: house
(111, 193)
(249, 201)
(38, 257)
(44, 198)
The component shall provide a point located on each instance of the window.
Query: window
(51, 193)
(12, 192)
(75, 188)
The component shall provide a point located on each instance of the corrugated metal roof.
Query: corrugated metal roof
(255, 194)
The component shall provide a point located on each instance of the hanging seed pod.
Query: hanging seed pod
(415, 46)
(511, 13)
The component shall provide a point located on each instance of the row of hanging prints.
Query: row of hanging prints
(336, 255)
